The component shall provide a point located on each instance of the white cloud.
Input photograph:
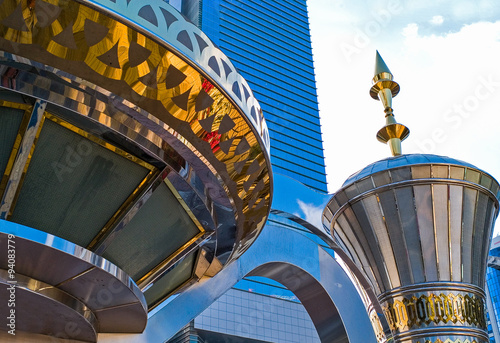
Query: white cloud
(312, 213)
(410, 30)
(436, 71)
(437, 20)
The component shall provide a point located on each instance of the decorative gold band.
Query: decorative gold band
(408, 312)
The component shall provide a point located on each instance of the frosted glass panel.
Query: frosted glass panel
(10, 120)
(74, 186)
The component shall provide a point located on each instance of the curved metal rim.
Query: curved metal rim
(78, 252)
(426, 181)
(452, 331)
(52, 293)
(129, 22)
(433, 286)
(367, 287)
(470, 166)
(205, 73)
(246, 237)
(280, 271)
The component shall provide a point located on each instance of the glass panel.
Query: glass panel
(472, 175)
(469, 207)
(10, 121)
(381, 179)
(73, 186)
(337, 232)
(357, 250)
(341, 197)
(440, 203)
(159, 229)
(456, 195)
(367, 259)
(333, 205)
(485, 180)
(494, 187)
(398, 243)
(340, 229)
(379, 227)
(421, 172)
(328, 214)
(478, 238)
(457, 173)
(490, 218)
(172, 280)
(440, 172)
(378, 266)
(401, 174)
(351, 191)
(423, 205)
(365, 185)
(408, 218)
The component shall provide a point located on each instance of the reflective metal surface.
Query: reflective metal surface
(494, 262)
(169, 83)
(428, 220)
(320, 283)
(95, 289)
(170, 111)
(384, 89)
(41, 308)
(159, 19)
(298, 203)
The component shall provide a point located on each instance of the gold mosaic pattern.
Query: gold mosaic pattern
(415, 312)
(91, 45)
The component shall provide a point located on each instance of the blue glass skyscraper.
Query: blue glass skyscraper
(269, 43)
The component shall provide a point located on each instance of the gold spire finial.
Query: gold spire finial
(384, 89)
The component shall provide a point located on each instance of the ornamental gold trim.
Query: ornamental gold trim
(435, 309)
(139, 67)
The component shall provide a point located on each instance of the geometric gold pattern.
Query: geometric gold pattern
(83, 41)
(413, 312)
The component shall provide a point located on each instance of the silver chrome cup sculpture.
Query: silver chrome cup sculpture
(419, 227)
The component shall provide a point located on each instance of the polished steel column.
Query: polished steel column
(419, 228)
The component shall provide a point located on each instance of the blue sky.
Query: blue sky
(444, 54)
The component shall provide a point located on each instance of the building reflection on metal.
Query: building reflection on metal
(313, 275)
(419, 227)
(298, 203)
(127, 133)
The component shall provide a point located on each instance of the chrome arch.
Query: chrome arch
(343, 317)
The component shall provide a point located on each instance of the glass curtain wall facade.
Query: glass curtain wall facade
(269, 43)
